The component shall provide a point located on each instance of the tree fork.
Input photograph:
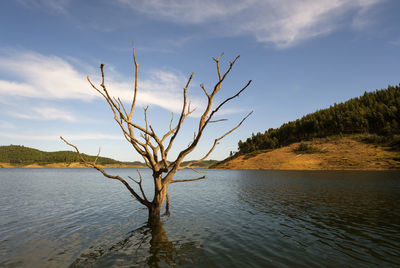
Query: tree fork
(153, 149)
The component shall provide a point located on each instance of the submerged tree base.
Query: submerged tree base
(147, 245)
(154, 148)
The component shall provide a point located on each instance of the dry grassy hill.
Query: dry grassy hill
(338, 153)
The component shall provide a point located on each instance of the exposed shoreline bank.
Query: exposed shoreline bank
(328, 154)
(67, 165)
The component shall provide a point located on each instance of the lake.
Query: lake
(235, 218)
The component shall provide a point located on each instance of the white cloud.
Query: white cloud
(283, 23)
(33, 75)
(38, 76)
(71, 137)
(363, 17)
(195, 11)
(161, 88)
(6, 125)
(56, 5)
(45, 113)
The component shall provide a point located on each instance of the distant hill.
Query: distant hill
(202, 164)
(342, 152)
(362, 133)
(376, 113)
(21, 155)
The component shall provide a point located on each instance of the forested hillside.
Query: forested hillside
(376, 113)
(16, 154)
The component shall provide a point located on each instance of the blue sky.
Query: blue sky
(301, 55)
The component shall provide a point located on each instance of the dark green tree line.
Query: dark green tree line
(375, 112)
(17, 154)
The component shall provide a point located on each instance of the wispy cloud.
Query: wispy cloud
(48, 137)
(395, 42)
(6, 125)
(282, 23)
(54, 5)
(363, 17)
(196, 11)
(33, 75)
(45, 113)
(169, 45)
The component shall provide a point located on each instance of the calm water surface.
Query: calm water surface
(77, 218)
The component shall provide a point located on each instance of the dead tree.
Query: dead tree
(154, 148)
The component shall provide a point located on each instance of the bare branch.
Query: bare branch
(219, 120)
(182, 117)
(144, 151)
(132, 179)
(140, 184)
(216, 141)
(172, 131)
(204, 90)
(151, 146)
(206, 118)
(172, 119)
(193, 169)
(145, 120)
(136, 79)
(92, 164)
(97, 157)
(123, 107)
(228, 99)
(217, 87)
(98, 90)
(217, 61)
(203, 122)
(116, 101)
(186, 180)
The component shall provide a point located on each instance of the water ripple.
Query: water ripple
(61, 218)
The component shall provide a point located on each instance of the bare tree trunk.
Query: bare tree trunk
(154, 215)
(167, 204)
(154, 148)
(160, 193)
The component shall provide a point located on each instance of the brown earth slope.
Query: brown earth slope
(329, 154)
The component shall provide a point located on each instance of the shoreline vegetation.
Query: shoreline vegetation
(65, 165)
(81, 165)
(360, 134)
(19, 156)
(341, 152)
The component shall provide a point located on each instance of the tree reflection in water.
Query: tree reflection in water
(146, 246)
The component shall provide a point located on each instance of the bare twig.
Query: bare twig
(216, 121)
(154, 149)
(97, 157)
(206, 117)
(170, 123)
(228, 99)
(141, 200)
(136, 79)
(186, 180)
(140, 184)
(204, 90)
(216, 141)
(183, 115)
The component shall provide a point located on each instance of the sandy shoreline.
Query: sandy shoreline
(67, 165)
(331, 154)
